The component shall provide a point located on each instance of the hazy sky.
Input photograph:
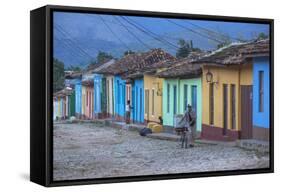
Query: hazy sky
(78, 36)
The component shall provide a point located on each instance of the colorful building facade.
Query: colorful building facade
(153, 98)
(103, 91)
(261, 98)
(88, 92)
(119, 97)
(78, 99)
(231, 92)
(182, 86)
(177, 94)
(223, 104)
(138, 100)
(64, 104)
(110, 99)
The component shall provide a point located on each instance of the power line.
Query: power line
(71, 50)
(213, 31)
(195, 32)
(149, 33)
(122, 42)
(76, 44)
(139, 40)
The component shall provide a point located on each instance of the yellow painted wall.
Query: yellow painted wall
(153, 83)
(237, 75)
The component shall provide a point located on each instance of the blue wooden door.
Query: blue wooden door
(194, 97)
(141, 106)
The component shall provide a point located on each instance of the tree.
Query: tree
(103, 57)
(128, 52)
(185, 48)
(262, 36)
(223, 44)
(58, 75)
(225, 41)
(74, 68)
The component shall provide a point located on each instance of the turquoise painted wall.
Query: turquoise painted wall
(168, 115)
(192, 82)
(168, 109)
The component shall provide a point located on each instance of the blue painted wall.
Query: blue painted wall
(261, 119)
(138, 100)
(71, 82)
(97, 93)
(119, 94)
(78, 97)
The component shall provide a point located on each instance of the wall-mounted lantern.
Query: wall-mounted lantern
(210, 77)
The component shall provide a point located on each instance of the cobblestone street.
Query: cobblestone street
(90, 151)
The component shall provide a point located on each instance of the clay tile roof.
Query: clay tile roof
(236, 53)
(138, 61)
(182, 68)
(73, 75)
(64, 92)
(103, 66)
(88, 82)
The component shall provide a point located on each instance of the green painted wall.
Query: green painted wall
(71, 103)
(168, 116)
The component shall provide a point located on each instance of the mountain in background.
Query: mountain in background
(79, 37)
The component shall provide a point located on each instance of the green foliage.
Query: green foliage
(58, 75)
(220, 45)
(262, 36)
(225, 41)
(103, 57)
(74, 68)
(129, 52)
(185, 48)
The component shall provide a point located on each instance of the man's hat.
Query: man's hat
(189, 106)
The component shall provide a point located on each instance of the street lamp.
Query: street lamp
(210, 77)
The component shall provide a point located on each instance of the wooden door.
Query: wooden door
(246, 112)
(141, 106)
(146, 105)
(225, 109)
(175, 100)
(194, 97)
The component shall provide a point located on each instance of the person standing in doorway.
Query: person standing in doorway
(128, 112)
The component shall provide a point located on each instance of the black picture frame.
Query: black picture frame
(41, 127)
